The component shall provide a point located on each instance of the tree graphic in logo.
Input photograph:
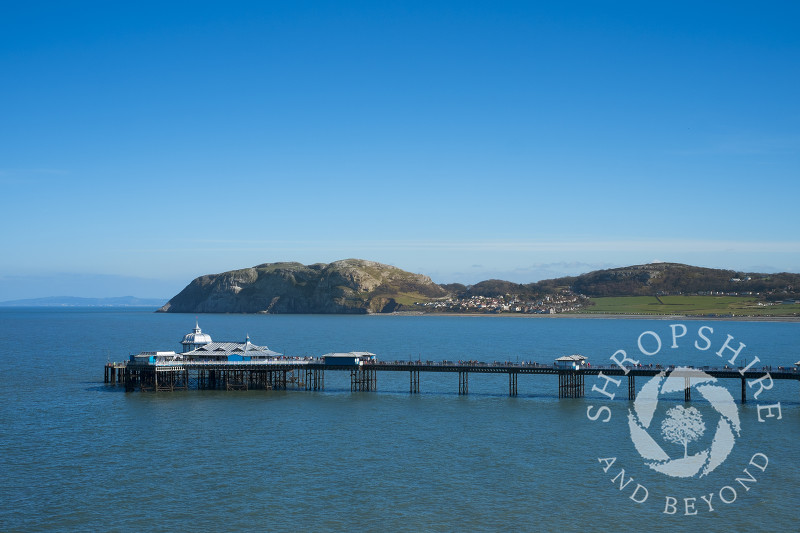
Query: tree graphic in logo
(683, 426)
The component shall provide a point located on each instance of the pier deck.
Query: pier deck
(310, 375)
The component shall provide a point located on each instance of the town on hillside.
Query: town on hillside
(563, 302)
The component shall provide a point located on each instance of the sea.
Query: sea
(79, 455)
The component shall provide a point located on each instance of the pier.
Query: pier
(309, 374)
(207, 365)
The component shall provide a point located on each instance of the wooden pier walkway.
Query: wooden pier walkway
(310, 375)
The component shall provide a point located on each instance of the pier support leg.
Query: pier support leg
(512, 383)
(369, 379)
(687, 397)
(631, 387)
(463, 382)
(414, 381)
(744, 392)
(571, 384)
(314, 378)
(363, 379)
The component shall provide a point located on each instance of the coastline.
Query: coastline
(605, 316)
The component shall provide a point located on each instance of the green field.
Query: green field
(689, 305)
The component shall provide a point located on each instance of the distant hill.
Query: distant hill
(350, 286)
(644, 280)
(675, 278)
(496, 287)
(75, 301)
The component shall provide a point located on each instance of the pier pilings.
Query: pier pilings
(463, 382)
(413, 382)
(315, 379)
(310, 376)
(570, 384)
(744, 392)
(114, 373)
(363, 379)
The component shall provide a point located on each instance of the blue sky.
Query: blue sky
(143, 144)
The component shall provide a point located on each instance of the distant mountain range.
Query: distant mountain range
(75, 301)
(357, 286)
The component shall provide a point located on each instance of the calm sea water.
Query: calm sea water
(76, 455)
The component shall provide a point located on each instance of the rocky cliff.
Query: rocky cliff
(349, 286)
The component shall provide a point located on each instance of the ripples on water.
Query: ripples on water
(76, 455)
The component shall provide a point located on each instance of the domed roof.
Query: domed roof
(197, 336)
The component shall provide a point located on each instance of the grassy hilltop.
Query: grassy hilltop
(690, 305)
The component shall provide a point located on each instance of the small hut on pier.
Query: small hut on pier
(574, 362)
(348, 358)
